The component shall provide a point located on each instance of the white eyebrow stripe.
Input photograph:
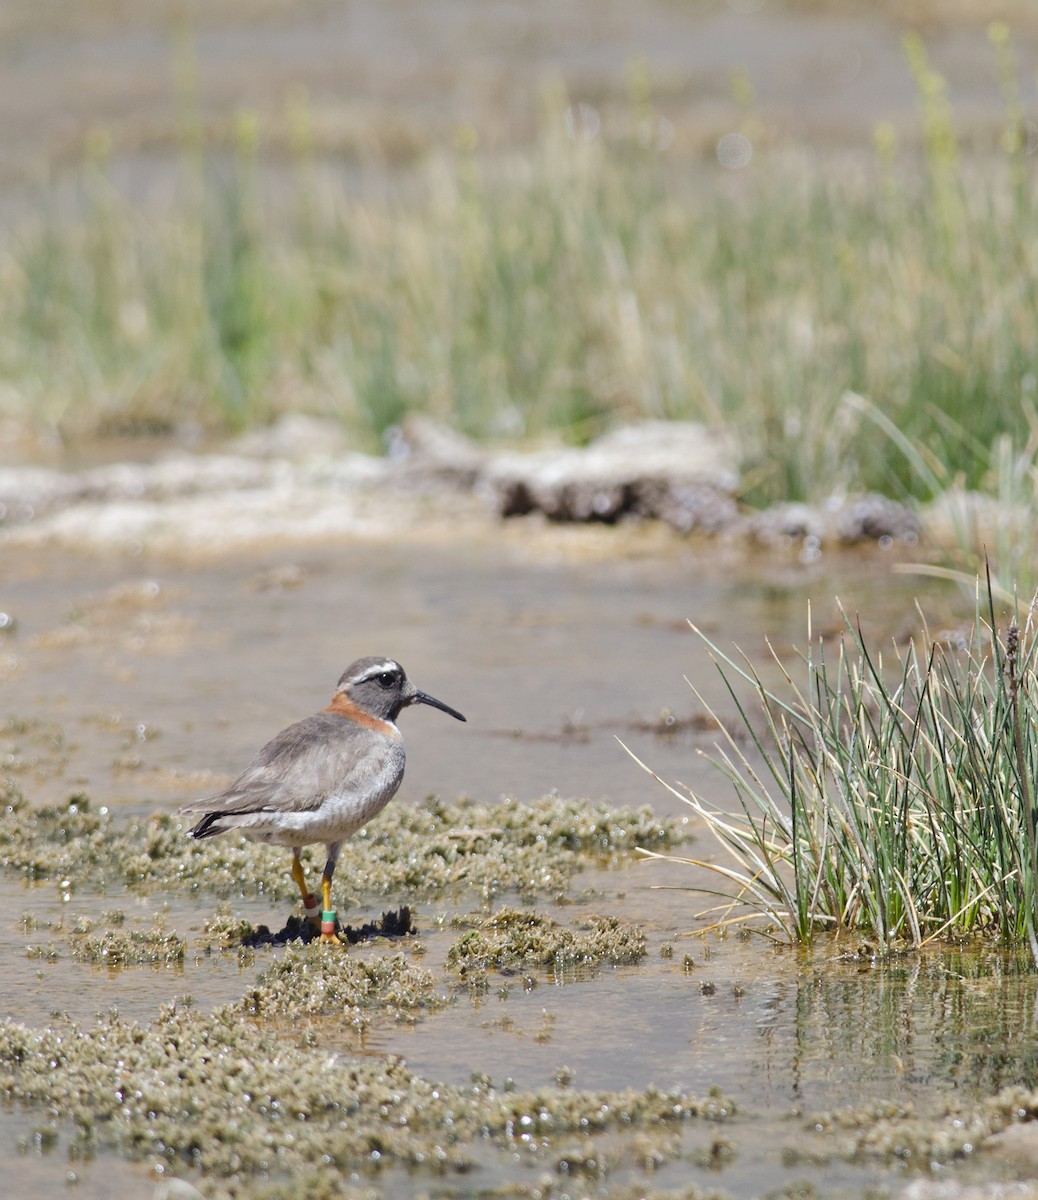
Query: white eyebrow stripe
(378, 669)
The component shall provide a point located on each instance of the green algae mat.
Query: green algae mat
(295, 1085)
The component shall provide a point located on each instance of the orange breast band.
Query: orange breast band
(346, 708)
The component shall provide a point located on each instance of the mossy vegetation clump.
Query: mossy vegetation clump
(318, 981)
(132, 948)
(53, 841)
(242, 1103)
(106, 941)
(895, 1133)
(418, 850)
(513, 938)
(534, 848)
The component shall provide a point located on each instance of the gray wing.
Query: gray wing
(294, 771)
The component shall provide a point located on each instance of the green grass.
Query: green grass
(886, 796)
(565, 289)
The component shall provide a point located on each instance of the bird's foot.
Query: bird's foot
(328, 935)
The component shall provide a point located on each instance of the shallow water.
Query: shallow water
(146, 682)
(791, 1036)
(39, 1166)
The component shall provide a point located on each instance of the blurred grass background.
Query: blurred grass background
(860, 321)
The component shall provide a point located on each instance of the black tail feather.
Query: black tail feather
(204, 828)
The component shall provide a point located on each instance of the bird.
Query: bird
(322, 778)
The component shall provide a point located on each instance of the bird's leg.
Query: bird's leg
(313, 914)
(328, 933)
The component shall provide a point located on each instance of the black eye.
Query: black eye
(387, 679)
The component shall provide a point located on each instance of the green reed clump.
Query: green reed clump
(892, 797)
(589, 280)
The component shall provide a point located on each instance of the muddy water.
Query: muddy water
(145, 682)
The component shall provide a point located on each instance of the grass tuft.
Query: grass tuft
(891, 797)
